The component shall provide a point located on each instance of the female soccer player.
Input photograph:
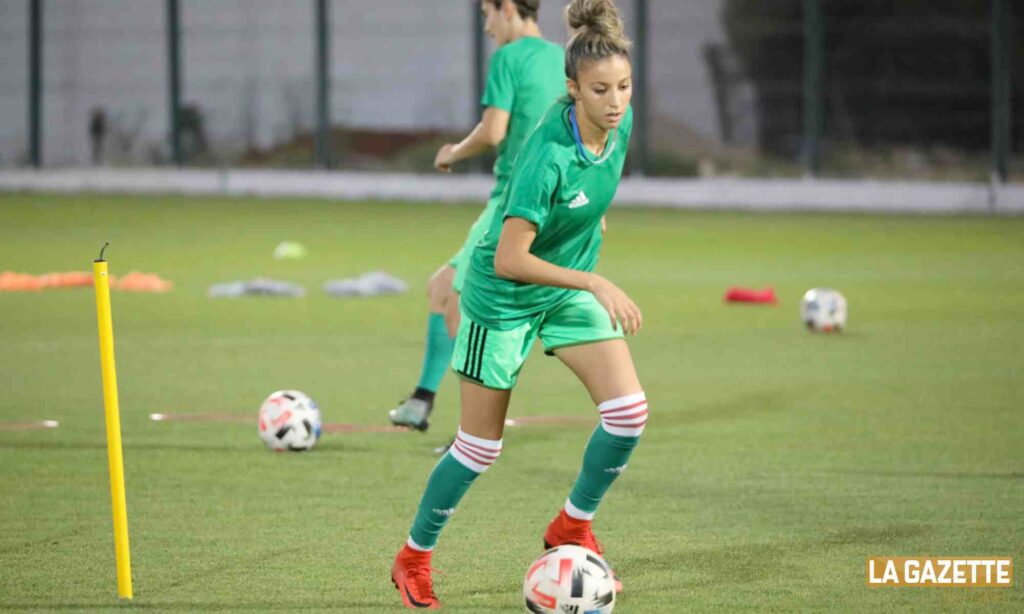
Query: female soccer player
(532, 278)
(524, 78)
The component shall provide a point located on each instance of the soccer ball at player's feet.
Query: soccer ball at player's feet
(413, 413)
(289, 420)
(823, 310)
(569, 579)
(564, 530)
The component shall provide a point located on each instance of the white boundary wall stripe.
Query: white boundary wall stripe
(748, 194)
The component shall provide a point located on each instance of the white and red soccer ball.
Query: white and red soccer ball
(289, 420)
(569, 579)
(823, 310)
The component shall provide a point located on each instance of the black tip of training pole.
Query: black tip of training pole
(102, 249)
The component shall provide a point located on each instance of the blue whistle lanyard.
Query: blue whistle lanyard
(579, 140)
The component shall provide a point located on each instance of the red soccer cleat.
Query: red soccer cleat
(565, 529)
(411, 576)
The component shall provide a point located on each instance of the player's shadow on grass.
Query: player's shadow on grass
(199, 606)
(84, 445)
(727, 409)
(340, 448)
(52, 445)
(747, 563)
(955, 475)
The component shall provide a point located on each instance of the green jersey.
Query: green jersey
(524, 78)
(565, 191)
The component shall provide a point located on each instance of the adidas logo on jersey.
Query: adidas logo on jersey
(580, 200)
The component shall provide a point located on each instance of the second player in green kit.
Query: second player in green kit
(524, 77)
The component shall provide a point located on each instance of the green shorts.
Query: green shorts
(461, 260)
(493, 358)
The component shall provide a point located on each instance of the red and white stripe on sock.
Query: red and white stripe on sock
(476, 453)
(414, 546)
(574, 512)
(625, 416)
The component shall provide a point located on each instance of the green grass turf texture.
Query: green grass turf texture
(775, 461)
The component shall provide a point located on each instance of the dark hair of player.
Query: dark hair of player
(527, 8)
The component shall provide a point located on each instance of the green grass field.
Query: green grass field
(774, 464)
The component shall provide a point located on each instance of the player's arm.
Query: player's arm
(488, 133)
(513, 260)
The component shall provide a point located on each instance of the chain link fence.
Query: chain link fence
(904, 88)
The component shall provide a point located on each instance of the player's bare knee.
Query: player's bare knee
(436, 299)
(625, 416)
(439, 289)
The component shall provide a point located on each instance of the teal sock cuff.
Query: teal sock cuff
(448, 482)
(604, 460)
(438, 353)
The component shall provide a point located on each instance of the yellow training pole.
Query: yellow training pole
(114, 456)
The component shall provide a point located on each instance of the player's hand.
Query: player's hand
(444, 159)
(621, 309)
(604, 224)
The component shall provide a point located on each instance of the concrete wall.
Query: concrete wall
(13, 81)
(747, 194)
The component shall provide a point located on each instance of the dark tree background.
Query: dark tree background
(896, 71)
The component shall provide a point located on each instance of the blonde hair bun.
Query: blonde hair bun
(599, 17)
(595, 33)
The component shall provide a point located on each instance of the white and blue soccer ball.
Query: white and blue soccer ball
(569, 580)
(823, 310)
(289, 420)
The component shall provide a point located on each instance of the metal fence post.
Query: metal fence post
(642, 106)
(813, 94)
(323, 86)
(35, 82)
(1000, 90)
(174, 79)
